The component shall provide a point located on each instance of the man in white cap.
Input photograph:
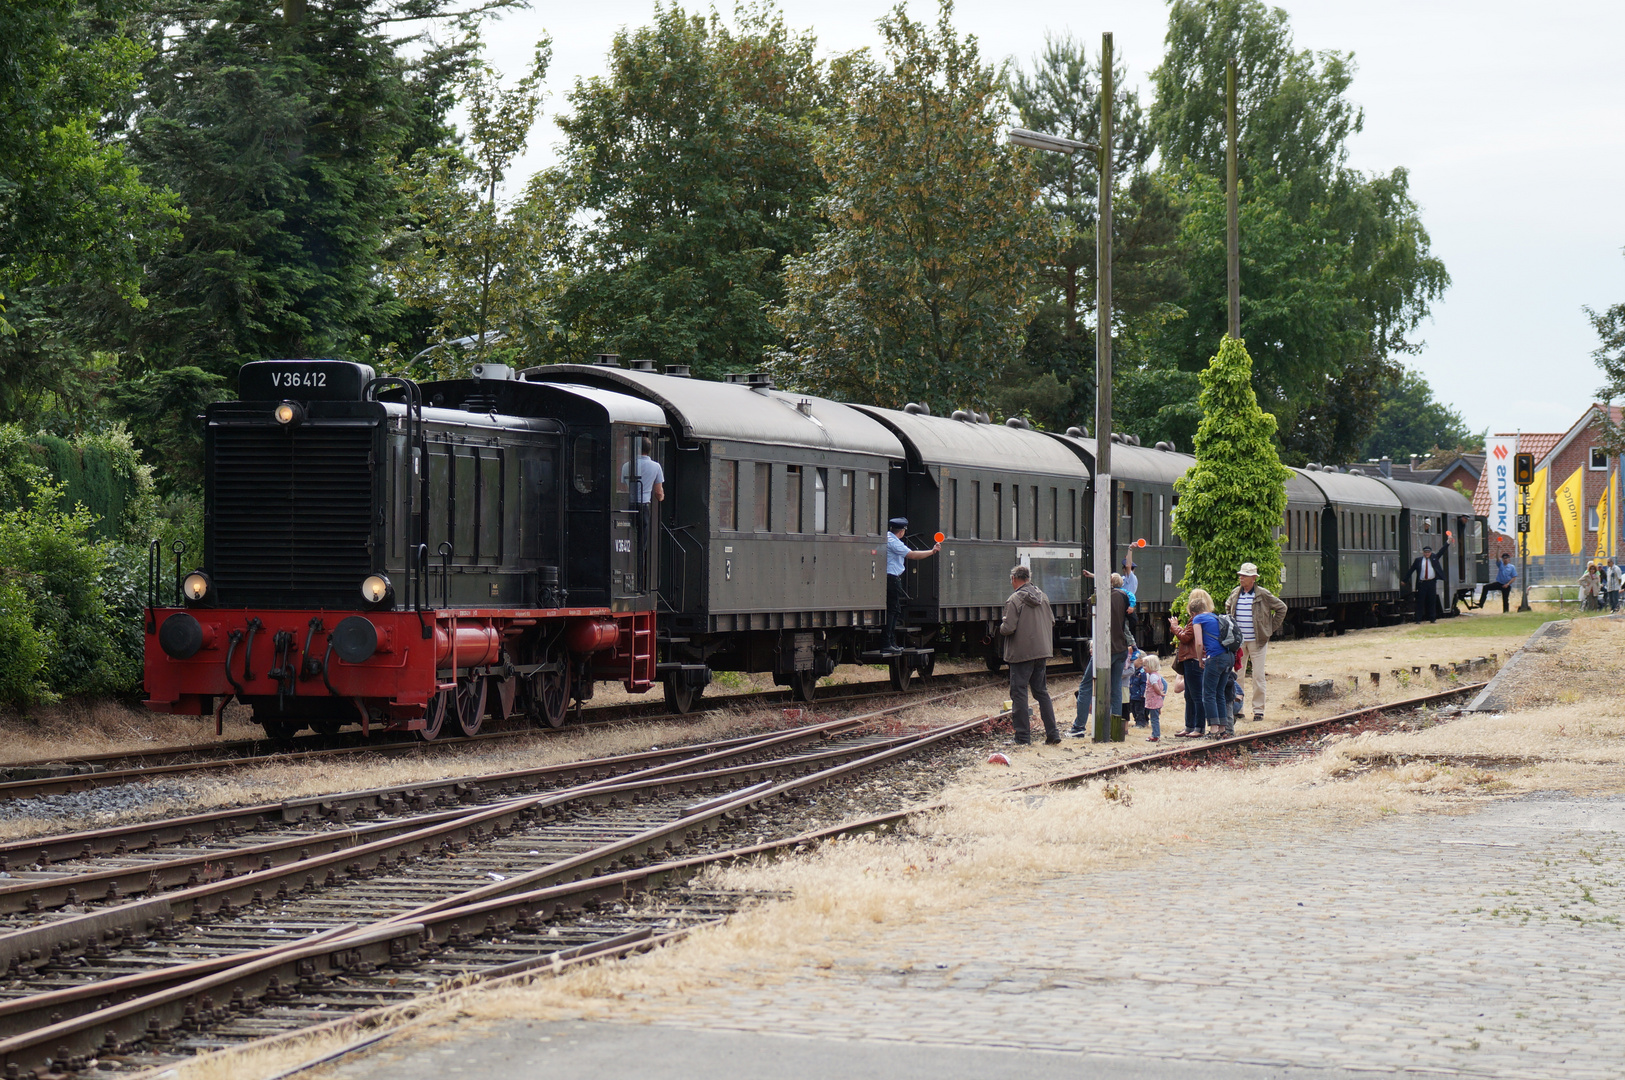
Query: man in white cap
(1258, 614)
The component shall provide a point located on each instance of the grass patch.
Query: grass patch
(1483, 624)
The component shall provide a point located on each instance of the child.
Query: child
(1156, 688)
(1136, 687)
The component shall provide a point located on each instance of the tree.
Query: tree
(478, 267)
(1233, 499)
(924, 280)
(693, 162)
(70, 202)
(1610, 357)
(1410, 421)
(276, 125)
(1337, 269)
(1053, 381)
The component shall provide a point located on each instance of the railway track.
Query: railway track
(511, 879)
(61, 776)
(199, 943)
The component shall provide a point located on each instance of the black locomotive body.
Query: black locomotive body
(372, 557)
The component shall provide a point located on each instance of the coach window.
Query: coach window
(951, 514)
(976, 509)
(1072, 514)
(998, 510)
(728, 495)
(847, 508)
(1055, 514)
(1125, 530)
(821, 500)
(763, 496)
(1151, 519)
(875, 505)
(792, 498)
(1036, 526)
(1599, 459)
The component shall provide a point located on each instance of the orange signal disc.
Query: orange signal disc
(1140, 542)
(939, 538)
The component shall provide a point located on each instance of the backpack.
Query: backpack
(1229, 633)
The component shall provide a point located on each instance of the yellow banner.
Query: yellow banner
(1537, 515)
(1605, 502)
(1570, 501)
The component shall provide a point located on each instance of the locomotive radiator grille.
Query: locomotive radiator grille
(291, 515)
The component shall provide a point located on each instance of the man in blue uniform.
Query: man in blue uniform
(1505, 574)
(897, 553)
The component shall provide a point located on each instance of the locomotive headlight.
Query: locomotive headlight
(195, 587)
(289, 414)
(377, 589)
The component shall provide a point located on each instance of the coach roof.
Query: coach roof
(938, 440)
(1130, 462)
(1430, 497)
(701, 409)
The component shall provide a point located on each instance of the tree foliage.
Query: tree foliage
(275, 124)
(70, 201)
(478, 266)
(1233, 499)
(692, 160)
(1053, 381)
(1411, 421)
(1337, 270)
(1610, 357)
(921, 286)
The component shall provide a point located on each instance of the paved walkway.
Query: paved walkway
(1491, 944)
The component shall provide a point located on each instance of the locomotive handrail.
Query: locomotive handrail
(445, 552)
(155, 563)
(418, 593)
(179, 548)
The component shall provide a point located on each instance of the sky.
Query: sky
(1510, 118)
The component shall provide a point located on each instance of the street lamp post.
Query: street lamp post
(1102, 531)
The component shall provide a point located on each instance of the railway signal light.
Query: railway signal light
(1523, 469)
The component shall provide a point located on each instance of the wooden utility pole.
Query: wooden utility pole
(1232, 244)
(1104, 495)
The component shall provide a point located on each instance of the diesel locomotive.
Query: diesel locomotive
(399, 555)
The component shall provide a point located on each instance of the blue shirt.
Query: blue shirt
(1131, 583)
(896, 553)
(1505, 573)
(1210, 633)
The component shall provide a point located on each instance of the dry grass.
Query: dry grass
(75, 728)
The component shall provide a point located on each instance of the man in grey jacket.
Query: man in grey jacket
(1258, 614)
(1028, 633)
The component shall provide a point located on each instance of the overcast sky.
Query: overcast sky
(1510, 118)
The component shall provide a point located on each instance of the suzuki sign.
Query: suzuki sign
(1498, 454)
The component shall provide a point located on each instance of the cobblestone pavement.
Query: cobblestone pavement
(1487, 944)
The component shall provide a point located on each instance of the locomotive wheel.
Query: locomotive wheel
(927, 664)
(470, 705)
(902, 672)
(803, 685)
(326, 728)
(553, 696)
(680, 697)
(434, 718)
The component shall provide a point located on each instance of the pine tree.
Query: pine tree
(275, 124)
(1232, 500)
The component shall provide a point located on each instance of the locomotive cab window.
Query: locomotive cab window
(584, 464)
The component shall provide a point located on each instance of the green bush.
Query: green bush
(70, 604)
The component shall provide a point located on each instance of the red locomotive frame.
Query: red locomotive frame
(239, 657)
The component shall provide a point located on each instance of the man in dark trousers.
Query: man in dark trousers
(897, 554)
(1028, 632)
(1428, 570)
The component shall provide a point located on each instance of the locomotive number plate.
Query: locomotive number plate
(623, 545)
(289, 380)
